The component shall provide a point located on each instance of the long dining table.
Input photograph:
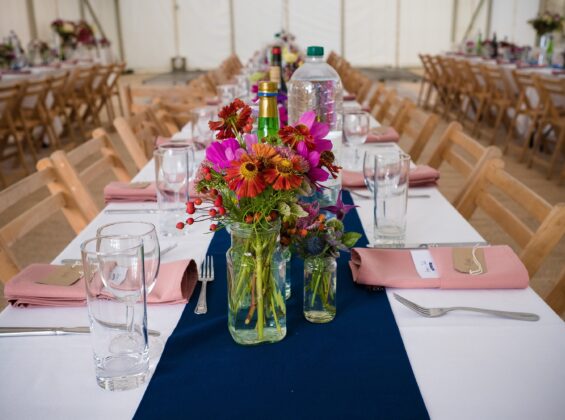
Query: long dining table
(466, 365)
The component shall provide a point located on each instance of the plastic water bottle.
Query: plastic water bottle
(316, 86)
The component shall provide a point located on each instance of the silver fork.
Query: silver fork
(206, 275)
(435, 312)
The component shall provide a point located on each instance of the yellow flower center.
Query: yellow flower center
(284, 166)
(248, 170)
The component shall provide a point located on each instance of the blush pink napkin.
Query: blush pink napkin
(121, 192)
(349, 97)
(175, 284)
(382, 135)
(395, 268)
(421, 176)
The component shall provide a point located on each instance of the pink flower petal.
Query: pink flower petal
(307, 119)
(319, 130)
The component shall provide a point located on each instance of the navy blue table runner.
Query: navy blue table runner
(352, 367)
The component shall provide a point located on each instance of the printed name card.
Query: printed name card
(424, 263)
(63, 275)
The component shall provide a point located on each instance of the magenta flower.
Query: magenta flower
(221, 154)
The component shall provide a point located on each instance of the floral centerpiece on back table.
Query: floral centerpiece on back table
(251, 186)
(547, 23)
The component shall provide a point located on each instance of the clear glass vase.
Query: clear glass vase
(286, 256)
(256, 285)
(320, 289)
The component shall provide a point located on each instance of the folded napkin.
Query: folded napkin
(212, 101)
(395, 268)
(421, 176)
(349, 97)
(123, 192)
(382, 135)
(15, 72)
(558, 72)
(175, 284)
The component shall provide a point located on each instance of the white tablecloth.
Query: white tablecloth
(468, 366)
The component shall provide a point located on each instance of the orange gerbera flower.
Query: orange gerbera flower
(234, 118)
(264, 153)
(286, 173)
(244, 178)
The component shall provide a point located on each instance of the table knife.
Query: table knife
(44, 331)
(427, 245)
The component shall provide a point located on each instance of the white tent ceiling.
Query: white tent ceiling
(367, 32)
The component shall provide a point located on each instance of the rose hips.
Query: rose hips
(197, 201)
(189, 221)
(218, 201)
(206, 170)
(222, 211)
(208, 177)
(212, 212)
(213, 227)
(180, 225)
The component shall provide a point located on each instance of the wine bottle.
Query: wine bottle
(276, 71)
(494, 46)
(268, 121)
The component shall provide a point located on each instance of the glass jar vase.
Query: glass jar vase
(320, 289)
(256, 285)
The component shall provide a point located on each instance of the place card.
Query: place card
(138, 185)
(63, 275)
(469, 260)
(424, 263)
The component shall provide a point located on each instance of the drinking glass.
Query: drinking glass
(226, 93)
(201, 132)
(355, 131)
(390, 193)
(152, 260)
(242, 82)
(174, 169)
(114, 276)
(369, 163)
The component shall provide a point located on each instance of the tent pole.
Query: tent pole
(455, 11)
(342, 28)
(397, 36)
(31, 19)
(95, 18)
(119, 28)
(232, 28)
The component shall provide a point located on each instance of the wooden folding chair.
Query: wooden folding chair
(382, 104)
(525, 109)
(86, 163)
(416, 126)
(500, 96)
(552, 95)
(79, 96)
(139, 98)
(138, 134)
(364, 90)
(33, 112)
(113, 90)
(62, 198)
(464, 154)
(556, 297)
(535, 244)
(10, 99)
(99, 92)
(58, 109)
(397, 107)
(426, 84)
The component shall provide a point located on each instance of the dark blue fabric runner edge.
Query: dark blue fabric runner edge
(353, 367)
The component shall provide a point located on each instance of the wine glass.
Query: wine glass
(201, 133)
(113, 264)
(147, 233)
(355, 130)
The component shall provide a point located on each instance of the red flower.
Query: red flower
(234, 118)
(244, 178)
(286, 173)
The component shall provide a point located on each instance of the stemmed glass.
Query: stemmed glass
(201, 133)
(114, 275)
(355, 130)
(152, 258)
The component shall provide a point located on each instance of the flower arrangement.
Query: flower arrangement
(66, 29)
(251, 186)
(318, 240)
(85, 34)
(6, 55)
(546, 23)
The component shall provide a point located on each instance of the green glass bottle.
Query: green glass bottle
(549, 51)
(268, 121)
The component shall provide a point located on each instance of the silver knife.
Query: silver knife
(427, 245)
(78, 261)
(44, 331)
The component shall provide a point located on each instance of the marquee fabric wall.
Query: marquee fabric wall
(367, 32)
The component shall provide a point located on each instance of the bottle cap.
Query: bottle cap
(276, 50)
(315, 51)
(269, 87)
